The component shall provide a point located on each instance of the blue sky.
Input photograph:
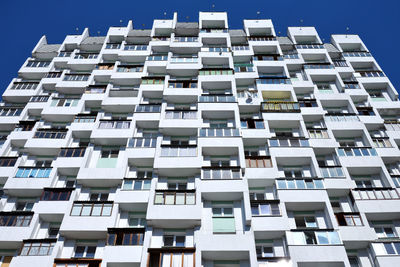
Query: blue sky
(24, 22)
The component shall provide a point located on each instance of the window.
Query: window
(221, 173)
(12, 220)
(136, 184)
(24, 86)
(263, 209)
(288, 142)
(91, 209)
(175, 198)
(265, 251)
(63, 102)
(137, 221)
(148, 108)
(113, 46)
(316, 238)
(37, 64)
(109, 154)
(32, 172)
(182, 84)
(354, 261)
(85, 251)
(381, 142)
(10, 112)
(181, 115)
(219, 132)
(39, 98)
(135, 47)
(98, 196)
(258, 162)
(76, 77)
(318, 134)
(215, 72)
(7, 161)
(348, 219)
(152, 81)
(24, 206)
(171, 151)
(37, 249)
(157, 58)
(300, 184)
(72, 152)
(306, 222)
(356, 152)
(174, 240)
(85, 119)
(385, 231)
(49, 195)
(85, 56)
(372, 194)
(52, 232)
(50, 134)
(114, 124)
(252, 124)
(387, 248)
(223, 220)
(125, 238)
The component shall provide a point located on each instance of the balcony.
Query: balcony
(217, 99)
(280, 106)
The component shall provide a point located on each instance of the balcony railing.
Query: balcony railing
(117, 124)
(219, 132)
(16, 218)
(375, 193)
(142, 142)
(39, 98)
(280, 106)
(184, 60)
(24, 86)
(340, 63)
(135, 47)
(86, 56)
(216, 72)
(213, 30)
(215, 49)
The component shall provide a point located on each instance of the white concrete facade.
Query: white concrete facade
(192, 144)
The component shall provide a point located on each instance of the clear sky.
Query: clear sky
(24, 22)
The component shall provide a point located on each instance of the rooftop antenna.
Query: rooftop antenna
(347, 30)
(301, 23)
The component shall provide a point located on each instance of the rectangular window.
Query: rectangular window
(24, 86)
(15, 220)
(56, 195)
(76, 77)
(91, 209)
(10, 112)
(85, 252)
(136, 184)
(175, 198)
(50, 134)
(258, 163)
(174, 240)
(32, 172)
(264, 209)
(37, 64)
(7, 162)
(37, 249)
(122, 238)
(72, 152)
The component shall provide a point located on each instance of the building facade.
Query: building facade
(192, 144)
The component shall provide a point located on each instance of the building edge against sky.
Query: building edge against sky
(192, 144)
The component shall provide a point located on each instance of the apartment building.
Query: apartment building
(192, 144)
